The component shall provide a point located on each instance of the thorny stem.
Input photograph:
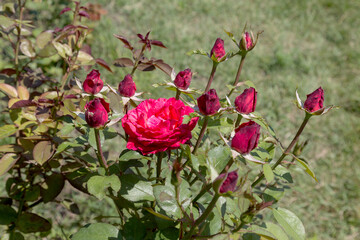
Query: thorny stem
(100, 154)
(213, 70)
(288, 149)
(203, 216)
(202, 132)
(138, 60)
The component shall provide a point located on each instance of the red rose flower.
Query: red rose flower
(93, 84)
(156, 125)
(209, 103)
(127, 87)
(314, 100)
(246, 42)
(183, 79)
(218, 49)
(229, 184)
(246, 137)
(96, 112)
(246, 102)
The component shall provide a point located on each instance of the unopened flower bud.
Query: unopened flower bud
(218, 49)
(314, 100)
(96, 112)
(246, 102)
(183, 79)
(246, 137)
(209, 102)
(93, 84)
(127, 87)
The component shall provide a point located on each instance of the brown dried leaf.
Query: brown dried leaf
(123, 62)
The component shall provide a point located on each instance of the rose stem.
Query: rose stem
(203, 216)
(177, 94)
(202, 132)
(100, 154)
(238, 73)
(238, 120)
(288, 149)
(213, 70)
(158, 165)
(208, 186)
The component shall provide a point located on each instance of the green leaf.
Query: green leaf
(306, 167)
(218, 157)
(231, 35)
(134, 230)
(198, 51)
(52, 187)
(269, 175)
(6, 22)
(98, 231)
(129, 154)
(273, 194)
(62, 49)
(7, 161)
(290, 223)
(31, 223)
(213, 223)
(85, 59)
(276, 230)
(265, 233)
(159, 215)
(66, 145)
(43, 151)
(167, 234)
(43, 39)
(9, 90)
(134, 189)
(98, 185)
(26, 48)
(7, 215)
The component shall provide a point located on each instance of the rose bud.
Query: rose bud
(246, 102)
(96, 112)
(183, 79)
(246, 137)
(93, 84)
(314, 100)
(218, 49)
(209, 102)
(246, 42)
(229, 184)
(127, 87)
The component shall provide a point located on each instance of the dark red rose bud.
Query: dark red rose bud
(127, 87)
(246, 102)
(209, 102)
(93, 84)
(246, 137)
(314, 100)
(229, 184)
(183, 79)
(218, 49)
(96, 112)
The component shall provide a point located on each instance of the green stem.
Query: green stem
(236, 81)
(213, 70)
(100, 154)
(158, 166)
(177, 94)
(202, 132)
(238, 120)
(203, 216)
(238, 227)
(208, 186)
(288, 149)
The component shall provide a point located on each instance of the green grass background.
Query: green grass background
(305, 44)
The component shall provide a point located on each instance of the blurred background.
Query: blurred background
(305, 44)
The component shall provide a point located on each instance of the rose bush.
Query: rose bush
(156, 125)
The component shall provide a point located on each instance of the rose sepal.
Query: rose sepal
(321, 111)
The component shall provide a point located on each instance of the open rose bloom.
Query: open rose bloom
(156, 125)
